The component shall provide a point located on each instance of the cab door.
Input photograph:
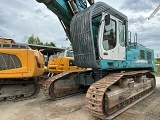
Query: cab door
(110, 46)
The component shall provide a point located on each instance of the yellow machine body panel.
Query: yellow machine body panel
(61, 64)
(20, 63)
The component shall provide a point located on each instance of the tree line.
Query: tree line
(35, 40)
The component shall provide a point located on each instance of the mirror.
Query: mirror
(107, 19)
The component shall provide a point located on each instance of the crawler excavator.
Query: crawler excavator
(121, 68)
(61, 62)
(19, 68)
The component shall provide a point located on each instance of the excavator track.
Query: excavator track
(51, 90)
(105, 104)
(18, 90)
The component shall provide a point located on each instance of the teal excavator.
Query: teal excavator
(120, 74)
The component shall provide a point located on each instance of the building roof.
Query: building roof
(46, 50)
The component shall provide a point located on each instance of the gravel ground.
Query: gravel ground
(74, 109)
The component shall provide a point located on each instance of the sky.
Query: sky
(19, 19)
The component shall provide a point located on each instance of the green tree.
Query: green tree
(46, 44)
(31, 39)
(38, 42)
(50, 44)
(35, 40)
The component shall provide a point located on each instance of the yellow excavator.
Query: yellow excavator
(20, 67)
(63, 61)
(59, 62)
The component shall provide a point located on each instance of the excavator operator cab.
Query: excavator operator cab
(111, 38)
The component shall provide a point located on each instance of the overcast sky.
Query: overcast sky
(21, 18)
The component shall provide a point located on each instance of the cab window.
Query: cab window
(121, 33)
(70, 54)
(109, 35)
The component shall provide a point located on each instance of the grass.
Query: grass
(158, 71)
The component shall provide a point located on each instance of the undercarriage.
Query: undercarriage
(108, 95)
(62, 85)
(18, 89)
(116, 92)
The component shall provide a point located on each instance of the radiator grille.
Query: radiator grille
(149, 55)
(142, 55)
(8, 61)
